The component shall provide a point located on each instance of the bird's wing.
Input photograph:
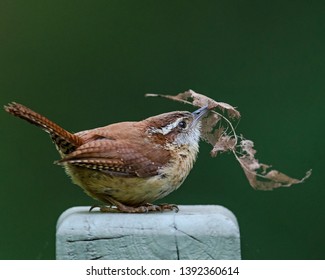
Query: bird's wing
(118, 158)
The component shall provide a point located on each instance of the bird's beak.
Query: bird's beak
(198, 114)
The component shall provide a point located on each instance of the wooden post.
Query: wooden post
(195, 232)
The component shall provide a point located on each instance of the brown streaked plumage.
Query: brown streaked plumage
(129, 164)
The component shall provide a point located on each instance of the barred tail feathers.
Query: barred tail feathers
(66, 142)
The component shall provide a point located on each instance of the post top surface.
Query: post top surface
(76, 216)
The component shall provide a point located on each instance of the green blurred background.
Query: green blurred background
(89, 63)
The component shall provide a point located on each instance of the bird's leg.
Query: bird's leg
(130, 209)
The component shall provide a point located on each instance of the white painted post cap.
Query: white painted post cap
(195, 232)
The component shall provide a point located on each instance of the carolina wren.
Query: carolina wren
(128, 164)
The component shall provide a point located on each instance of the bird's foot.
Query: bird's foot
(105, 208)
(162, 207)
(119, 207)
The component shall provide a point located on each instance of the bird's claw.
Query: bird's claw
(140, 209)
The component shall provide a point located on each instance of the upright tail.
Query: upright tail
(65, 141)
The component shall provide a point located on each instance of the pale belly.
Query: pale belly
(129, 191)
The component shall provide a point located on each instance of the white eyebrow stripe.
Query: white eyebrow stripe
(166, 129)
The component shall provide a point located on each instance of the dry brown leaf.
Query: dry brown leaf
(224, 144)
(218, 130)
(200, 100)
(257, 173)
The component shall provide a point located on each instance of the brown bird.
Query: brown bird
(128, 164)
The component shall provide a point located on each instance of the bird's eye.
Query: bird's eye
(182, 124)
